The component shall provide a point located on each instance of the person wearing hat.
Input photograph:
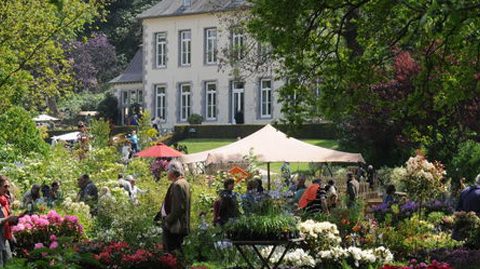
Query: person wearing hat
(175, 212)
(470, 198)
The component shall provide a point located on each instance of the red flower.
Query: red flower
(169, 260)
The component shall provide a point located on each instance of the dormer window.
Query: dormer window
(186, 3)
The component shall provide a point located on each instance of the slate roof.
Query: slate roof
(168, 8)
(134, 71)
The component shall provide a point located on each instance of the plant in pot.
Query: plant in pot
(262, 228)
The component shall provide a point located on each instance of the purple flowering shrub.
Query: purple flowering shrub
(458, 258)
(394, 212)
(38, 231)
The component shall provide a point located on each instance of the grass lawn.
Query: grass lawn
(200, 144)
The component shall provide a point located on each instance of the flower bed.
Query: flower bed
(37, 231)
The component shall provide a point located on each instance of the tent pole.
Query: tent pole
(329, 170)
(268, 175)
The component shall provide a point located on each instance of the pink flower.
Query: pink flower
(53, 245)
(72, 219)
(54, 217)
(38, 245)
(53, 237)
(18, 228)
(28, 226)
(41, 222)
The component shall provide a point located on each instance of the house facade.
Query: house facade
(181, 73)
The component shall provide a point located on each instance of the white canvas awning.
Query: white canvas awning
(271, 145)
(44, 117)
(66, 137)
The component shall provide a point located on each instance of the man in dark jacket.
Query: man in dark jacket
(470, 198)
(228, 204)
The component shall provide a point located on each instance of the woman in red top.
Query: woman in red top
(6, 220)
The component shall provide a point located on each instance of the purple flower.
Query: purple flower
(38, 245)
(53, 237)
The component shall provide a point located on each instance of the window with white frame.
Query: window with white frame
(185, 47)
(185, 102)
(160, 102)
(161, 49)
(211, 46)
(265, 98)
(211, 99)
(237, 44)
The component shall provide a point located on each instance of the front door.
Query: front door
(238, 102)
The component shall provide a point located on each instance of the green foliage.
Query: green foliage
(73, 103)
(146, 133)
(258, 227)
(108, 108)
(466, 227)
(399, 71)
(100, 130)
(195, 119)
(466, 162)
(18, 130)
(413, 236)
(32, 60)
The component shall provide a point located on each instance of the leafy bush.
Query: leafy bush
(19, 137)
(39, 231)
(100, 130)
(195, 119)
(108, 108)
(466, 162)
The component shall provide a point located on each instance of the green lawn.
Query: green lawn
(200, 144)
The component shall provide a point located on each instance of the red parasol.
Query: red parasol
(158, 151)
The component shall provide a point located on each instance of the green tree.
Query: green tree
(19, 137)
(100, 130)
(400, 71)
(32, 62)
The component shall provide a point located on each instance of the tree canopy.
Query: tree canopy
(33, 65)
(395, 75)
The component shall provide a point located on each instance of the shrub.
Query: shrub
(108, 108)
(466, 162)
(19, 137)
(100, 130)
(45, 230)
(195, 119)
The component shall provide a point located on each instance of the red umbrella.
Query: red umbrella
(158, 151)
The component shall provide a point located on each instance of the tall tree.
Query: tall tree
(122, 27)
(32, 61)
(400, 71)
(94, 62)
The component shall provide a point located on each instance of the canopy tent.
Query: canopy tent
(44, 117)
(66, 137)
(158, 151)
(271, 145)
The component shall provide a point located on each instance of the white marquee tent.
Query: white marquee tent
(44, 117)
(271, 145)
(73, 136)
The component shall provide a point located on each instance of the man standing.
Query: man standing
(175, 211)
(470, 198)
(352, 189)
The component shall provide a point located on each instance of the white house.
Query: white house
(181, 74)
